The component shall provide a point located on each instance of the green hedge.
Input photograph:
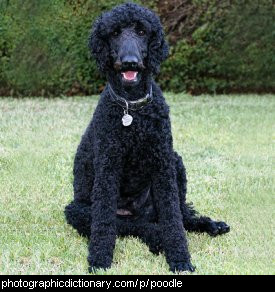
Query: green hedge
(43, 47)
(231, 49)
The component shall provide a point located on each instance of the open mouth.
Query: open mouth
(130, 76)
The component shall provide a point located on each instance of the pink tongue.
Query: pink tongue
(129, 75)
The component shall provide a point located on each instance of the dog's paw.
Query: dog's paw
(94, 269)
(182, 267)
(95, 265)
(218, 228)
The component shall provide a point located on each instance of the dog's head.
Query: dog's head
(128, 42)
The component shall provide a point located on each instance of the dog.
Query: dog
(128, 180)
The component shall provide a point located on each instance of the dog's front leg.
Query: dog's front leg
(170, 219)
(104, 207)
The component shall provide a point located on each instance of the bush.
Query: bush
(226, 46)
(43, 47)
(216, 46)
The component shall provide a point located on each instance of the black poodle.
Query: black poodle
(128, 180)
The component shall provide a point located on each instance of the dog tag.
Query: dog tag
(127, 120)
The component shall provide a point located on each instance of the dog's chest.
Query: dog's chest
(142, 135)
(141, 142)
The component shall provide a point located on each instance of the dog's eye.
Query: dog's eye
(115, 33)
(141, 32)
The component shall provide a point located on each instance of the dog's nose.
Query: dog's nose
(129, 59)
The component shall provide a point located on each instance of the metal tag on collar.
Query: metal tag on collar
(127, 119)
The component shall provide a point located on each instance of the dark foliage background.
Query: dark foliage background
(217, 46)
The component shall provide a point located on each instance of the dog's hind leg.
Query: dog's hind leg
(83, 171)
(79, 216)
(192, 221)
(78, 212)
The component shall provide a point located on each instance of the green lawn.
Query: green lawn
(226, 144)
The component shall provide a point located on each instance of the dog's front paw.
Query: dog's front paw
(218, 228)
(93, 269)
(98, 263)
(182, 267)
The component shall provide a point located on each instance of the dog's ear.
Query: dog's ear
(158, 49)
(99, 45)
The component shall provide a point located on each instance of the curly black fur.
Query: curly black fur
(122, 16)
(129, 180)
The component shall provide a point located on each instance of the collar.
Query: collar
(131, 104)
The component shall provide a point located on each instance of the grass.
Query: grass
(225, 141)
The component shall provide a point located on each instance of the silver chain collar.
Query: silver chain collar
(127, 105)
(131, 104)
